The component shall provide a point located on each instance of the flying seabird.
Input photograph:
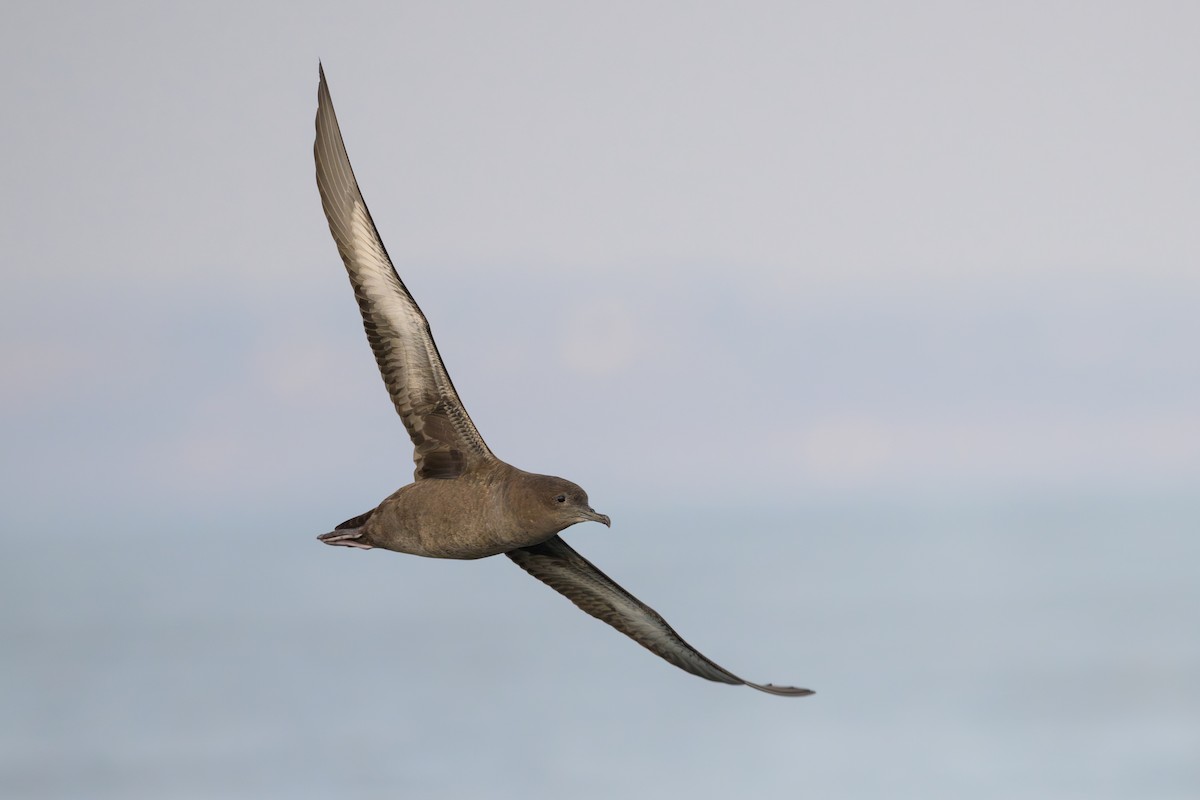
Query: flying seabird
(464, 502)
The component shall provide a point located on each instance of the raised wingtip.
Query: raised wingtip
(782, 691)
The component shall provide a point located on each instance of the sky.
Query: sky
(863, 247)
(705, 257)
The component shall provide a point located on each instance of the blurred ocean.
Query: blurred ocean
(1034, 649)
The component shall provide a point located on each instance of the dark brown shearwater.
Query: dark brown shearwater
(464, 502)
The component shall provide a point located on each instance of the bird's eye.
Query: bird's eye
(562, 498)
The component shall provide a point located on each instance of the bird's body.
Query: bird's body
(464, 502)
(484, 512)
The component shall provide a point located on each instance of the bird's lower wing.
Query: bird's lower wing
(565, 571)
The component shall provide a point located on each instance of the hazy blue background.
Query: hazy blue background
(872, 325)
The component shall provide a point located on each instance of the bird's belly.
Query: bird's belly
(472, 540)
(443, 523)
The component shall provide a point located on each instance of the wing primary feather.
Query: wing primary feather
(561, 568)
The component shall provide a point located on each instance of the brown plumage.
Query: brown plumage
(464, 502)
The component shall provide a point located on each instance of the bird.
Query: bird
(464, 502)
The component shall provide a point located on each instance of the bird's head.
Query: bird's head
(564, 502)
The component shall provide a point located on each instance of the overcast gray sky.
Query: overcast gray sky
(872, 325)
(835, 247)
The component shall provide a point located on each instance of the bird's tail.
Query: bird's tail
(349, 533)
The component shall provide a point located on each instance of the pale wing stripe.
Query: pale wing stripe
(383, 291)
(564, 570)
(388, 309)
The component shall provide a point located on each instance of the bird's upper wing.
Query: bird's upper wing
(446, 441)
(564, 570)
